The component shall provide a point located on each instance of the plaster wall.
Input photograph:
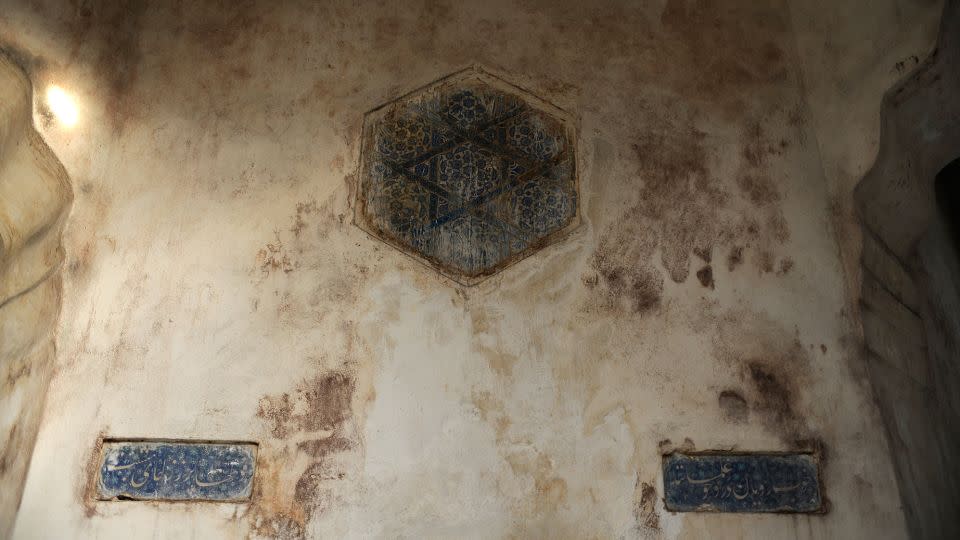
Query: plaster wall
(216, 288)
(34, 199)
(909, 284)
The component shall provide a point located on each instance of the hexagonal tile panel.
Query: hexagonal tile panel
(468, 174)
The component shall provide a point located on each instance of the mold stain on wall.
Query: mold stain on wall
(313, 424)
(686, 210)
(313, 430)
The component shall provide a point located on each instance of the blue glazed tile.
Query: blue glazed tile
(176, 471)
(469, 174)
(742, 483)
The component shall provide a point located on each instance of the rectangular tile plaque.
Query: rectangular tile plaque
(176, 471)
(742, 483)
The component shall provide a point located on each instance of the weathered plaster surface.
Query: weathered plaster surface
(217, 289)
(910, 290)
(34, 199)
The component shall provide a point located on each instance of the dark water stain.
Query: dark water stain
(775, 399)
(119, 58)
(639, 285)
(14, 375)
(766, 228)
(684, 211)
(679, 196)
(733, 406)
(322, 402)
(734, 258)
(705, 254)
(765, 260)
(644, 511)
(328, 400)
(674, 211)
(277, 411)
(9, 450)
(319, 404)
(727, 48)
(786, 265)
(758, 189)
(304, 209)
(705, 276)
(318, 448)
(774, 366)
(98, 207)
(312, 492)
(217, 30)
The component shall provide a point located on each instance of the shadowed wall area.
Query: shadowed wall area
(911, 283)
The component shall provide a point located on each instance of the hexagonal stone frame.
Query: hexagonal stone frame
(441, 169)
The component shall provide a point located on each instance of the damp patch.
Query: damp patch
(721, 482)
(176, 471)
(469, 175)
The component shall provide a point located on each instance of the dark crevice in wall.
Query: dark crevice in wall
(948, 201)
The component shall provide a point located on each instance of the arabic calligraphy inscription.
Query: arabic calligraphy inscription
(176, 471)
(742, 483)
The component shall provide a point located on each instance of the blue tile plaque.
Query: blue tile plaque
(176, 471)
(742, 483)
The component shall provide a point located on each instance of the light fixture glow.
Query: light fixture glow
(62, 106)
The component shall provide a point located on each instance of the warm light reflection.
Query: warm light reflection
(62, 106)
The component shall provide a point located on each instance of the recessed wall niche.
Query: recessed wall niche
(469, 175)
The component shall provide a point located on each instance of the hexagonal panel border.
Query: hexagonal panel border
(468, 174)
